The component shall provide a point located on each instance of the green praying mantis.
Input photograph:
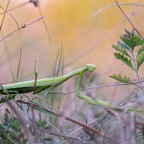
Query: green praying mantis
(50, 83)
(36, 86)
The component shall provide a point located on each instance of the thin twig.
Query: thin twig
(66, 118)
(19, 62)
(4, 15)
(106, 85)
(45, 25)
(20, 46)
(128, 19)
(87, 127)
(15, 7)
(22, 27)
(36, 75)
(113, 5)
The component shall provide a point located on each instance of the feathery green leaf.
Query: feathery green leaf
(121, 50)
(124, 59)
(124, 46)
(140, 61)
(119, 78)
(131, 39)
(140, 51)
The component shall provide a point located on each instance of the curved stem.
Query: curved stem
(137, 73)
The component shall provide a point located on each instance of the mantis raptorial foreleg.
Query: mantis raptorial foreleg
(88, 99)
(98, 102)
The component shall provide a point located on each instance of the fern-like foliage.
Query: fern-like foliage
(123, 79)
(125, 52)
(121, 50)
(124, 45)
(11, 131)
(124, 59)
(140, 51)
(131, 39)
(140, 60)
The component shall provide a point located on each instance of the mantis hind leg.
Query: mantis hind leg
(39, 89)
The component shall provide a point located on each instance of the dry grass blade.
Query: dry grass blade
(106, 85)
(45, 25)
(14, 8)
(127, 18)
(132, 130)
(20, 42)
(22, 27)
(44, 110)
(4, 16)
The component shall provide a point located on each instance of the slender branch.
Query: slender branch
(137, 72)
(114, 4)
(45, 25)
(128, 19)
(67, 118)
(15, 7)
(4, 15)
(22, 27)
(106, 85)
(20, 44)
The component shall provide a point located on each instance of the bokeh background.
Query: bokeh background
(86, 29)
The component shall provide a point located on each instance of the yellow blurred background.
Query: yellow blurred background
(85, 28)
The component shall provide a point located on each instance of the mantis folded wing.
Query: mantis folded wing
(42, 84)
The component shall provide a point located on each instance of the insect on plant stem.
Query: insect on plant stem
(36, 86)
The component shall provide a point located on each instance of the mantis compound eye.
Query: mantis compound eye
(91, 67)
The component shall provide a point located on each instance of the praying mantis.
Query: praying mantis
(36, 86)
(39, 85)
(50, 83)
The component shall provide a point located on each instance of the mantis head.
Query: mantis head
(91, 67)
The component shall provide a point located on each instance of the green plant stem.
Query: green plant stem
(137, 73)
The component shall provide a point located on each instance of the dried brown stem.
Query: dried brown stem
(22, 27)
